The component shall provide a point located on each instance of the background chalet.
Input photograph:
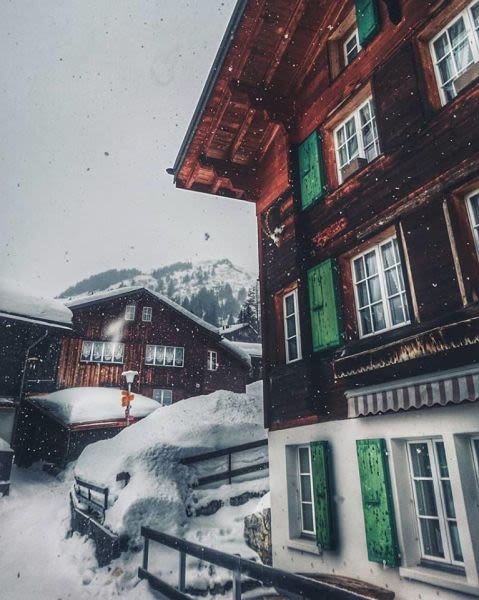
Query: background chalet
(353, 126)
(176, 354)
(30, 331)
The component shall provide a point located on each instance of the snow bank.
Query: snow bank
(251, 348)
(151, 451)
(4, 446)
(87, 404)
(16, 300)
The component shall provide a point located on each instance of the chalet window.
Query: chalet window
(356, 140)
(102, 352)
(164, 397)
(146, 314)
(292, 335)
(130, 312)
(455, 49)
(434, 502)
(306, 491)
(212, 360)
(165, 356)
(473, 205)
(379, 288)
(351, 47)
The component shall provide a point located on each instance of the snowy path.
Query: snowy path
(38, 562)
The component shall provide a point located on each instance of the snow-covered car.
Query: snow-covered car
(149, 473)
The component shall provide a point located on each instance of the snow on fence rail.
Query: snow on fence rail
(267, 576)
(95, 497)
(229, 463)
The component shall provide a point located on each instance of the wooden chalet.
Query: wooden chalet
(176, 354)
(240, 332)
(30, 331)
(353, 127)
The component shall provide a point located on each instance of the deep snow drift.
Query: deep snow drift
(89, 404)
(151, 450)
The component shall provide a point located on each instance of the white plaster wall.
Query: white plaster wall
(301, 555)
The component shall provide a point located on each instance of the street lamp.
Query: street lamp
(130, 378)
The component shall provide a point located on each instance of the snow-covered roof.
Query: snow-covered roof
(92, 404)
(232, 328)
(102, 296)
(15, 301)
(4, 446)
(251, 348)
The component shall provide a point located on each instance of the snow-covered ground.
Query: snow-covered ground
(44, 562)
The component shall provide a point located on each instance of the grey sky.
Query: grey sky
(81, 78)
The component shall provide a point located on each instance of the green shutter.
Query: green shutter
(322, 495)
(378, 507)
(311, 170)
(367, 19)
(324, 303)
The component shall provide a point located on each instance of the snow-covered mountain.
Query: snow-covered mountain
(214, 289)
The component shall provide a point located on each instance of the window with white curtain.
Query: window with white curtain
(380, 292)
(165, 356)
(102, 352)
(455, 48)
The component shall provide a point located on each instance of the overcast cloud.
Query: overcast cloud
(95, 99)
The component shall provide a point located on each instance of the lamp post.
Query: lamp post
(130, 378)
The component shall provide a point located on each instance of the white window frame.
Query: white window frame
(355, 114)
(304, 531)
(212, 360)
(439, 500)
(294, 295)
(475, 455)
(161, 350)
(102, 359)
(147, 314)
(355, 35)
(163, 392)
(383, 289)
(470, 211)
(473, 45)
(130, 310)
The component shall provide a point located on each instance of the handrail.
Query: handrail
(230, 473)
(223, 452)
(79, 483)
(268, 576)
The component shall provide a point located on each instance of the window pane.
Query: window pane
(392, 283)
(420, 460)
(291, 326)
(341, 135)
(306, 488)
(169, 356)
(475, 14)
(107, 352)
(379, 321)
(387, 251)
(371, 263)
(97, 350)
(308, 524)
(363, 294)
(441, 46)
(441, 457)
(160, 355)
(374, 289)
(366, 324)
(350, 127)
(365, 114)
(426, 499)
(446, 71)
(149, 355)
(180, 356)
(431, 537)
(474, 200)
(304, 460)
(457, 32)
(397, 311)
(118, 353)
(292, 349)
(463, 56)
(359, 269)
(86, 350)
(289, 305)
(353, 147)
(455, 541)
(448, 499)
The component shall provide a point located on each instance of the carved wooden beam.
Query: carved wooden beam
(242, 177)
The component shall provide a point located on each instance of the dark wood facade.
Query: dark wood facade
(279, 80)
(103, 319)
